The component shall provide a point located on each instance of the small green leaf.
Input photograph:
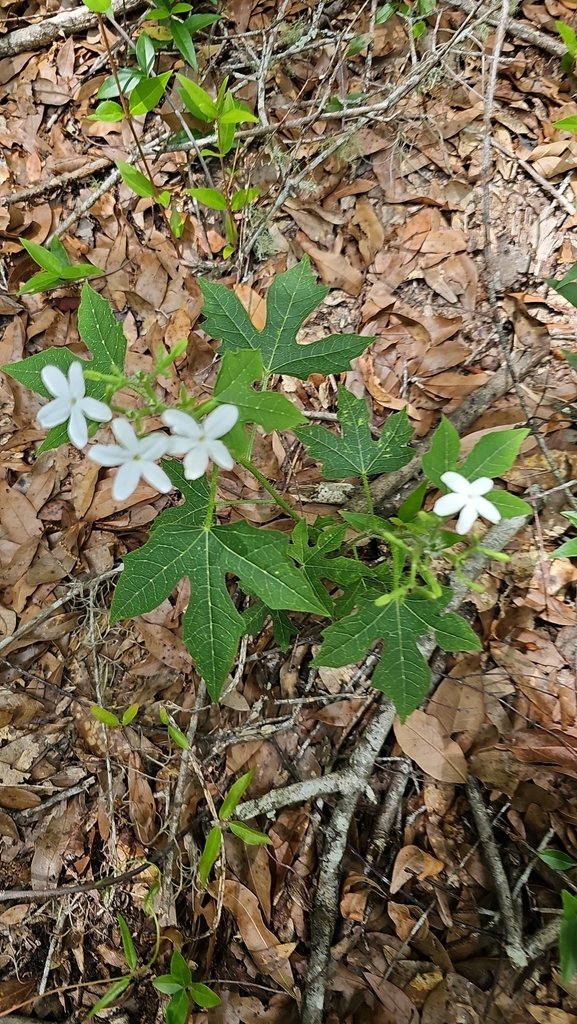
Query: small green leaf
(150, 898)
(419, 29)
(228, 251)
(79, 271)
(509, 505)
(567, 124)
(108, 111)
(203, 995)
(145, 53)
(104, 716)
(210, 197)
(238, 372)
(127, 78)
(243, 198)
(98, 6)
(40, 283)
(127, 943)
(384, 13)
(41, 256)
(109, 997)
(413, 503)
(167, 985)
(237, 115)
(130, 713)
(248, 835)
(182, 38)
(356, 454)
(178, 737)
(234, 794)
(357, 44)
(568, 36)
(443, 453)
(557, 859)
(57, 249)
(200, 21)
(147, 94)
(136, 180)
(567, 550)
(176, 223)
(568, 936)
(197, 100)
(493, 454)
(177, 1010)
(163, 198)
(209, 855)
(179, 969)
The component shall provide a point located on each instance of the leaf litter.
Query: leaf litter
(392, 224)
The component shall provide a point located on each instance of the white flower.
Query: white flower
(198, 441)
(136, 457)
(466, 498)
(70, 403)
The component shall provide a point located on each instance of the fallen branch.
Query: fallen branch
(509, 907)
(68, 23)
(520, 29)
(299, 792)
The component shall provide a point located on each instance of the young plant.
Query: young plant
(318, 570)
(560, 861)
(182, 991)
(415, 14)
(57, 270)
(214, 843)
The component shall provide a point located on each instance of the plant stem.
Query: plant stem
(368, 495)
(280, 501)
(211, 499)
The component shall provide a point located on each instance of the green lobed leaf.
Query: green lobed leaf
(238, 372)
(291, 298)
(209, 855)
(402, 672)
(248, 835)
(147, 94)
(493, 454)
(136, 180)
(356, 454)
(177, 1010)
(109, 997)
(127, 943)
(203, 995)
(234, 795)
(180, 545)
(179, 969)
(182, 38)
(210, 197)
(557, 859)
(319, 562)
(443, 453)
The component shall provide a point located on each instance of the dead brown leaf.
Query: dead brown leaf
(424, 739)
(411, 861)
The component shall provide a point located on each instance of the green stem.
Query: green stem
(211, 499)
(106, 378)
(368, 495)
(270, 489)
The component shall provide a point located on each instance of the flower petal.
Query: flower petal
(95, 410)
(481, 486)
(53, 414)
(156, 477)
(456, 482)
(76, 381)
(220, 421)
(55, 382)
(468, 518)
(220, 454)
(196, 461)
(108, 455)
(178, 445)
(77, 429)
(449, 504)
(125, 436)
(488, 510)
(182, 423)
(153, 446)
(126, 480)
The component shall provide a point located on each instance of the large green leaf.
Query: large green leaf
(103, 336)
(181, 545)
(291, 298)
(238, 372)
(402, 672)
(356, 454)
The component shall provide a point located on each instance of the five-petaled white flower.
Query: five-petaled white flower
(466, 498)
(198, 441)
(136, 457)
(70, 403)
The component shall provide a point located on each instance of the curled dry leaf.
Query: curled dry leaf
(334, 269)
(411, 861)
(424, 739)
(270, 956)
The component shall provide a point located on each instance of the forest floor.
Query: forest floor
(433, 200)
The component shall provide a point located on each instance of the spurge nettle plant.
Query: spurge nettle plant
(318, 568)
